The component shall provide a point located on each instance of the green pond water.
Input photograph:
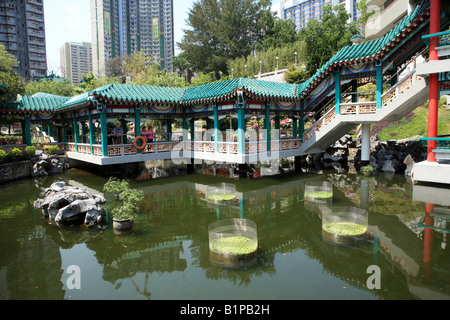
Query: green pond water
(166, 255)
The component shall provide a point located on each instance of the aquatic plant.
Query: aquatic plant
(367, 169)
(221, 197)
(319, 195)
(344, 228)
(237, 245)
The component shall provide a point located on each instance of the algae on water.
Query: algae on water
(344, 228)
(319, 195)
(236, 245)
(221, 197)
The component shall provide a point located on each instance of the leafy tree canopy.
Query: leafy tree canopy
(323, 39)
(8, 77)
(221, 30)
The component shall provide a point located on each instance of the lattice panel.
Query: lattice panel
(274, 146)
(405, 84)
(286, 145)
(149, 148)
(262, 147)
(296, 144)
(127, 150)
(165, 147)
(209, 147)
(250, 148)
(348, 109)
(368, 109)
(114, 151)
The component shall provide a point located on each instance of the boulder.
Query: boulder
(64, 204)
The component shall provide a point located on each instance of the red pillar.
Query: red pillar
(428, 244)
(435, 26)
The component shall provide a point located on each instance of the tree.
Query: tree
(281, 32)
(61, 88)
(221, 30)
(8, 77)
(325, 38)
(90, 82)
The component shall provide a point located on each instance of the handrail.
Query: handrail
(426, 38)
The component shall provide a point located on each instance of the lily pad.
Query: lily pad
(221, 197)
(344, 228)
(236, 245)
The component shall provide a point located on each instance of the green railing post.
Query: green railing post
(137, 123)
(216, 128)
(337, 90)
(241, 130)
(301, 120)
(104, 131)
(91, 131)
(379, 72)
(75, 131)
(27, 130)
(267, 126)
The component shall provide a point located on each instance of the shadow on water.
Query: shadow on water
(166, 254)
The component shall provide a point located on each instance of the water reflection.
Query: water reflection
(168, 247)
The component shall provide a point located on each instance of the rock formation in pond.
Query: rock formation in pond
(44, 165)
(64, 204)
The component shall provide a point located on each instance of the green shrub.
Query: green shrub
(367, 168)
(124, 212)
(30, 151)
(50, 149)
(15, 154)
(3, 155)
(115, 186)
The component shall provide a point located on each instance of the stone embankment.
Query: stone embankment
(40, 165)
(395, 156)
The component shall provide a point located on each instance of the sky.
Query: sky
(70, 21)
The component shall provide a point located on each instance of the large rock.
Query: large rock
(65, 203)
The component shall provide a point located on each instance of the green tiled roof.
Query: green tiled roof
(139, 94)
(40, 102)
(365, 51)
(222, 90)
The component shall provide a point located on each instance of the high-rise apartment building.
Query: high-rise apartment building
(123, 27)
(76, 61)
(22, 33)
(301, 11)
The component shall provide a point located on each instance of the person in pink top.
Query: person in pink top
(147, 134)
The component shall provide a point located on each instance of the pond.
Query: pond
(166, 254)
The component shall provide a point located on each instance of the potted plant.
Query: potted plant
(367, 170)
(125, 204)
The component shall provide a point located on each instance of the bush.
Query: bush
(367, 168)
(50, 149)
(15, 154)
(3, 155)
(30, 151)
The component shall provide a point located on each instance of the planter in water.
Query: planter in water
(233, 243)
(345, 225)
(223, 194)
(123, 224)
(319, 192)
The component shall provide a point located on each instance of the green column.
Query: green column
(379, 71)
(267, 126)
(337, 90)
(294, 127)
(58, 134)
(354, 89)
(49, 132)
(216, 128)
(64, 128)
(84, 132)
(27, 130)
(75, 131)
(301, 120)
(137, 123)
(277, 122)
(192, 129)
(169, 129)
(91, 131)
(104, 132)
(123, 124)
(241, 130)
